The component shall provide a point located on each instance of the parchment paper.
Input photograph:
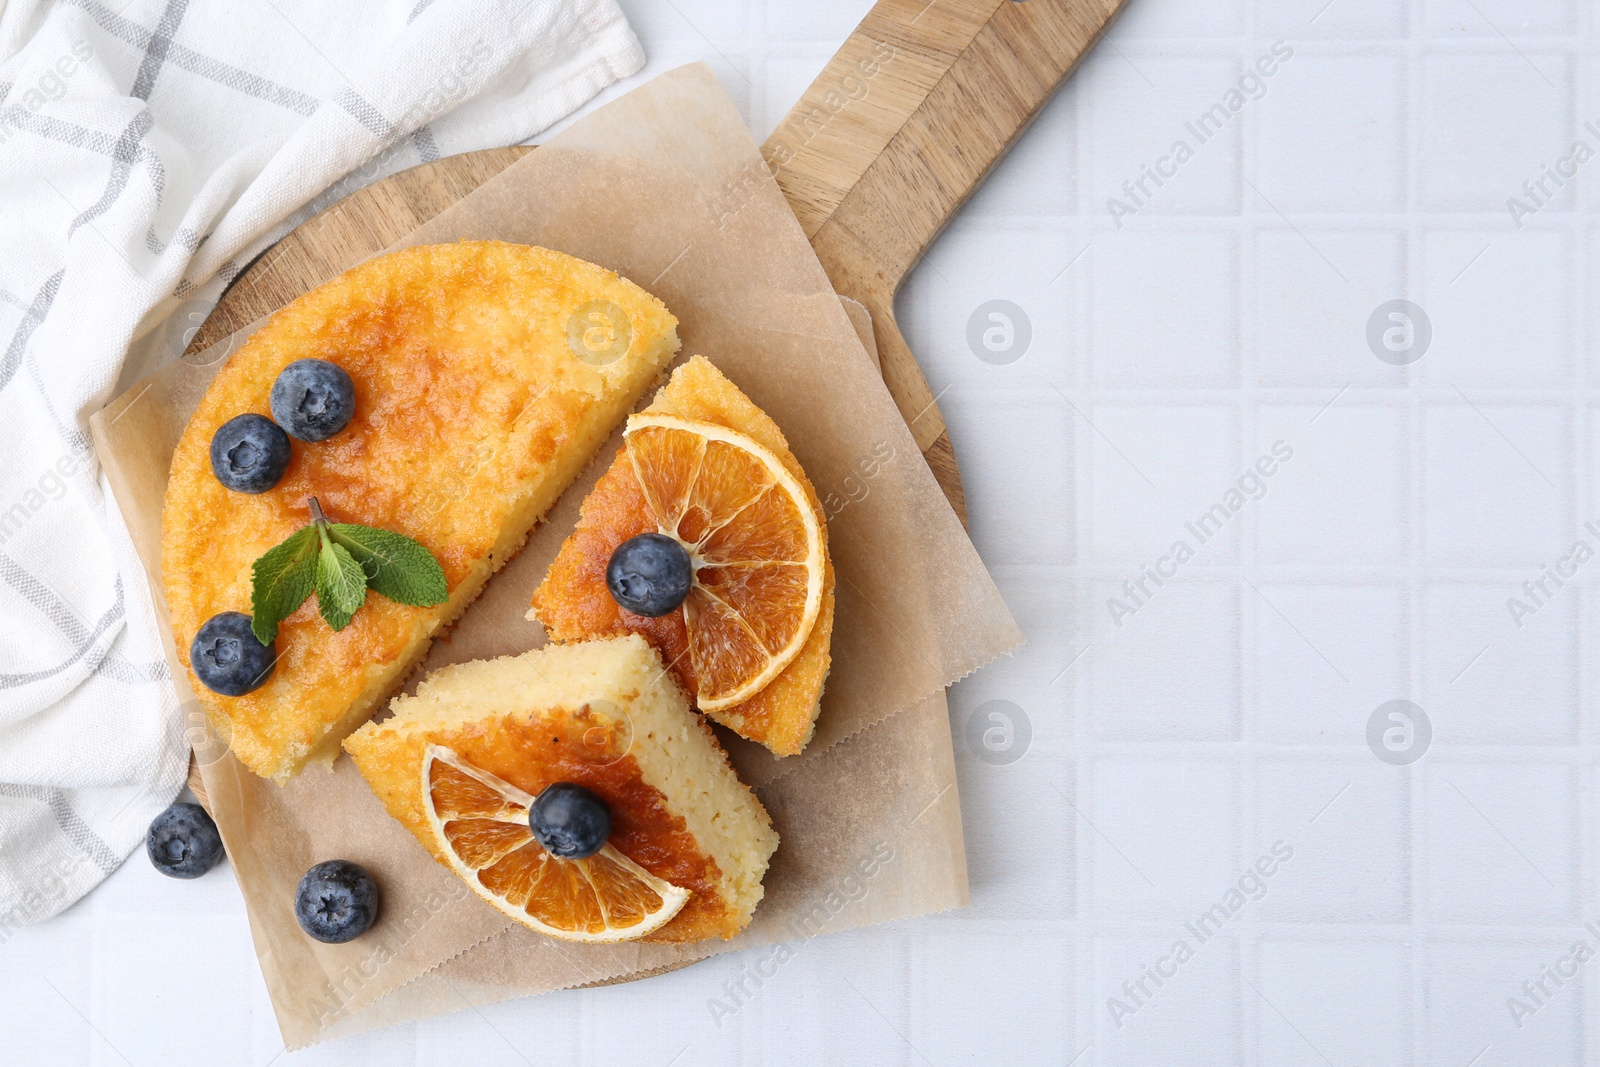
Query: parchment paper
(665, 186)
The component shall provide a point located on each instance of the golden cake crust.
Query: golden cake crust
(473, 413)
(573, 602)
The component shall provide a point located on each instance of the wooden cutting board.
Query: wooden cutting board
(883, 148)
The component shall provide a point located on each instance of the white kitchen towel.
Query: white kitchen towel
(148, 150)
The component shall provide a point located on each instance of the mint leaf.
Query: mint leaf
(339, 561)
(280, 581)
(341, 583)
(395, 565)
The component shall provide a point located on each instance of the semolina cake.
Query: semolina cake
(485, 375)
(739, 492)
(459, 763)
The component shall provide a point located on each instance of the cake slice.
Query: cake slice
(704, 466)
(459, 763)
(485, 377)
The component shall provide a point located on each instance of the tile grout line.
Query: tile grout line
(1246, 619)
(1581, 250)
(1085, 765)
(1416, 839)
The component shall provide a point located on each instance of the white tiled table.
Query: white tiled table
(1229, 711)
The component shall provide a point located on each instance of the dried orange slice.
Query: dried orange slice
(481, 826)
(754, 543)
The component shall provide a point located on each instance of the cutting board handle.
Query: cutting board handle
(899, 129)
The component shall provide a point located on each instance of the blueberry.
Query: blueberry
(570, 821)
(183, 842)
(313, 399)
(249, 453)
(337, 901)
(649, 574)
(227, 658)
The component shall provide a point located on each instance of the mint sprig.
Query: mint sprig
(340, 561)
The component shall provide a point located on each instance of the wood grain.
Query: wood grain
(361, 225)
(901, 126)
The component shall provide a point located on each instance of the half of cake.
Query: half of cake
(708, 469)
(459, 764)
(485, 377)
